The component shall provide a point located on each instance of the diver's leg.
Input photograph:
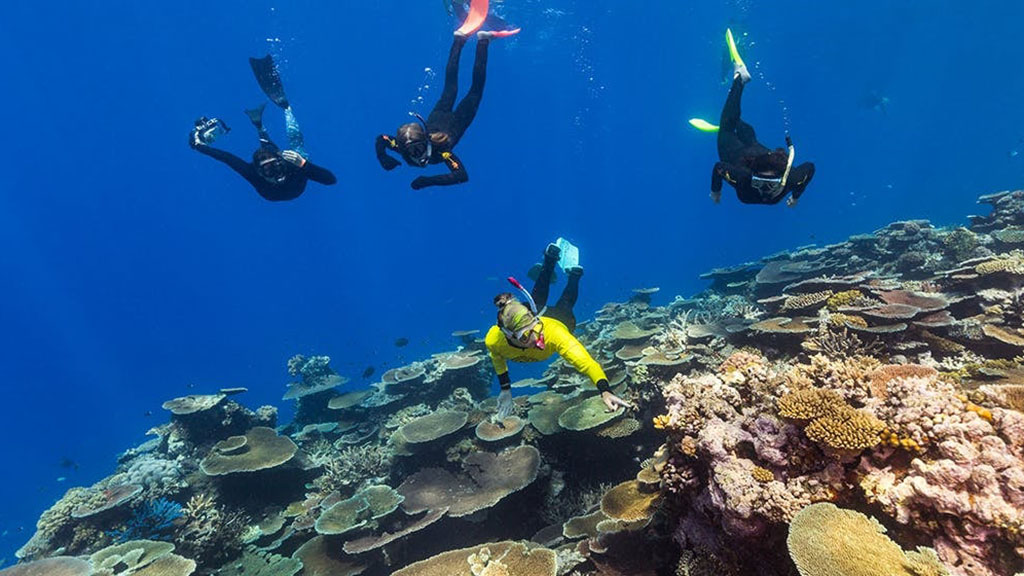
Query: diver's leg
(731, 111)
(563, 309)
(466, 111)
(295, 140)
(543, 284)
(451, 77)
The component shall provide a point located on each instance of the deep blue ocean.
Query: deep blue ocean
(135, 270)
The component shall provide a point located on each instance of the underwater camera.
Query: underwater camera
(209, 129)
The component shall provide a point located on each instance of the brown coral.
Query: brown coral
(848, 429)
(825, 540)
(629, 502)
(810, 404)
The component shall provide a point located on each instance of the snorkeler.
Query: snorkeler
(432, 141)
(759, 175)
(532, 332)
(276, 174)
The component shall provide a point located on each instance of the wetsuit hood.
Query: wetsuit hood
(414, 141)
(269, 164)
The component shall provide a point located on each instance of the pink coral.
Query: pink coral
(967, 490)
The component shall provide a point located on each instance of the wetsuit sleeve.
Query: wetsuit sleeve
(799, 178)
(729, 172)
(456, 174)
(243, 168)
(319, 174)
(576, 355)
(383, 144)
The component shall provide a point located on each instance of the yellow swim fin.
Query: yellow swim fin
(703, 125)
(734, 55)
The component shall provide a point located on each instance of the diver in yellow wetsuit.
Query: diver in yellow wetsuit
(528, 333)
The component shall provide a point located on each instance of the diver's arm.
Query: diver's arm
(457, 174)
(729, 172)
(319, 174)
(576, 355)
(383, 144)
(799, 178)
(244, 168)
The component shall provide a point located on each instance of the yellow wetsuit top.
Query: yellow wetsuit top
(557, 338)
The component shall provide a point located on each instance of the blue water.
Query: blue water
(135, 270)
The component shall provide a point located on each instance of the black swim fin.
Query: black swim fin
(269, 80)
(256, 115)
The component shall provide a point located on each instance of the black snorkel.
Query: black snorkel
(423, 159)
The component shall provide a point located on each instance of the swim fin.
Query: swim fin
(534, 273)
(256, 115)
(570, 256)
(269, 79)
(501, 33)
(703, 125)
(734, 55)
(477, 14)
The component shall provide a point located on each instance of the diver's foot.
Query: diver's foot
(575, 271)
(742, 73)
(552, 252)
(256, 115)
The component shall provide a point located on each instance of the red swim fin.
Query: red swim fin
(477, 14)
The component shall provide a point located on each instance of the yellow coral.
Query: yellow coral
(1010, 263)
(661, 422)
(844, 298)
(801, 301)
(762, 475)
(984, 413)
(810, 404)
(825, 540)
(840, 319)
(847, 429)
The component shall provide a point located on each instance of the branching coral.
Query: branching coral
(352, 466)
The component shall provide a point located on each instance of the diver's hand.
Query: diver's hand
(613, 402)
(419, 183)
(716, 197)
(504, 405)
(194, 141)
(293, 157)
(791, 201)
(388, 163)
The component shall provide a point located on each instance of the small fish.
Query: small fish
(147, 413)
(68, 464)
(401, 342)
(61, 479)
(190, 385)
(368, 372)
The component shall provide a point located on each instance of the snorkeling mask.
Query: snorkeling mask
(423, 158)
(771, 187)
(273, 169)
(209, 129)
(520, 336)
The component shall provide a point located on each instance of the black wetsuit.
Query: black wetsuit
(446, 119)
(562, 311)
(737, 144)
(291, 188)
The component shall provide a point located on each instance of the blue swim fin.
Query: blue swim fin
(570, 257)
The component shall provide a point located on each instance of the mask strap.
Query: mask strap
(430, 148)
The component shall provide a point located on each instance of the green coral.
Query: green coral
(844, 298)
(960, 244)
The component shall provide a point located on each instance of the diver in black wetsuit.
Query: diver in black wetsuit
(445, 126)
(276, 174)
(759, 175)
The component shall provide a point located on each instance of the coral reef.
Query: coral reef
(819, 391)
